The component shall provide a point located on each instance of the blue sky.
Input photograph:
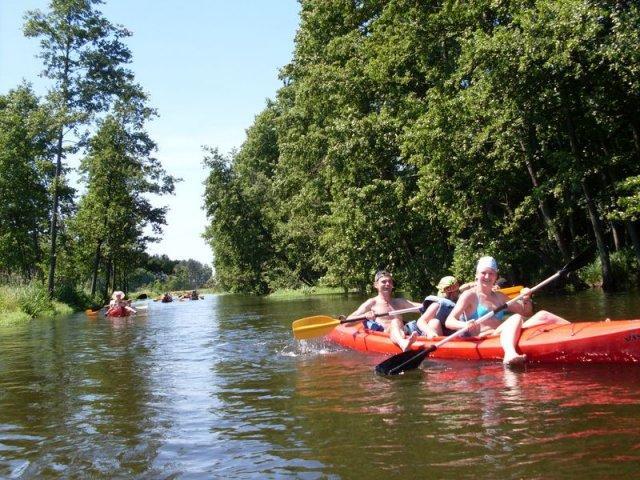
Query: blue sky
(208, 66)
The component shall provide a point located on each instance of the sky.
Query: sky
(209, 67)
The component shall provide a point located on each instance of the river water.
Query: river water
(218, 388)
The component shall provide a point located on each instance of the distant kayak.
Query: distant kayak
(582, 342)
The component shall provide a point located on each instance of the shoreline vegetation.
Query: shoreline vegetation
(391, 146)
(20, 303)
(25, 302)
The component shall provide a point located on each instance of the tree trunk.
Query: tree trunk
(617, 244)
(58, 173)
(107, 278)
(530, 150)
(608, 282)
(54, 216)
(635, 240)
(96, 265)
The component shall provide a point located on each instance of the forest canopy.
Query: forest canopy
(416, 136)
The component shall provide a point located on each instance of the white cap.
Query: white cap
(487, 262)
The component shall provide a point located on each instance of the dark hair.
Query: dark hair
(382, 273)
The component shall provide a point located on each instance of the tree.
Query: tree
(113, 213)
(84, 57)
(26, 135)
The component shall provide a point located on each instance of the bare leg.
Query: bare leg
(431, 328)
(543, 317)
(509, 335)
(396, 333)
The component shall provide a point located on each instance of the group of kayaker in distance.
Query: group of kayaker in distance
(452, 308)
(168, 298)
(119, 306)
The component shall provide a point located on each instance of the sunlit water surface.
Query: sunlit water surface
(219, 389)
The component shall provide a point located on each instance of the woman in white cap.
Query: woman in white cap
(482, 298)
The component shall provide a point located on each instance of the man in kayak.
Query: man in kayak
(431, 323)
(383, 303)
(483, 298)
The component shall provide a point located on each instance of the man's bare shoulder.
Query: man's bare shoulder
(368, 303)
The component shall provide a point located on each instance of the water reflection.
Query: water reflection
(219, 389)
(90, 411)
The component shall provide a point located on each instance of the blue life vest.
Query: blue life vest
(446, 306)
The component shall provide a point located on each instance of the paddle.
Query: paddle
(411, 359)
(511, 292)
(321, 325)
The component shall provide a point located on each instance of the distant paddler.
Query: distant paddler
(119, 307)
(166, 298)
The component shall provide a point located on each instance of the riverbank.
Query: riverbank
(20, 303)
(305, 292)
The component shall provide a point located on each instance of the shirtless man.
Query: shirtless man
(383, 303)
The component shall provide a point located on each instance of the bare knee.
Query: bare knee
(543, 317)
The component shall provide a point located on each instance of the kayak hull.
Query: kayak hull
(581, 342)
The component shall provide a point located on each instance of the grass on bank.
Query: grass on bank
(19, 303)
(305, 292)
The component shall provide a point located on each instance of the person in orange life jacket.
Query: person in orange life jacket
(384, 303)
(118, 306)
(431, 323)
(482, 298)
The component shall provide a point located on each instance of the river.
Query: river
(218, 388)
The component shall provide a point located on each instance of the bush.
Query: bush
(33, 299)
(20, 302)
(624, 266)
(69, 294)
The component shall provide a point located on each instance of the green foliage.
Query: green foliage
(84, 57)
(625, 268)
(25, 140)
(417, 136)
(113, 214)
(628, 204)
(69, 294)
(31, 299)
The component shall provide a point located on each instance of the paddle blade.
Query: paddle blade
(311, 327)
(578, 262)
(404, 361)
(511, 292)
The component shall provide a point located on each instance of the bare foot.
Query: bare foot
(514, 359)
(409, 341)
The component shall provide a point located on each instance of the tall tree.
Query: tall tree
(113, 213)
(84, 57)
(26, 136)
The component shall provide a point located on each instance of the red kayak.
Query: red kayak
(582, 342)
(117, 311)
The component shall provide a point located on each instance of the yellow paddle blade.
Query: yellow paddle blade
(511, 292)
(310, 327)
